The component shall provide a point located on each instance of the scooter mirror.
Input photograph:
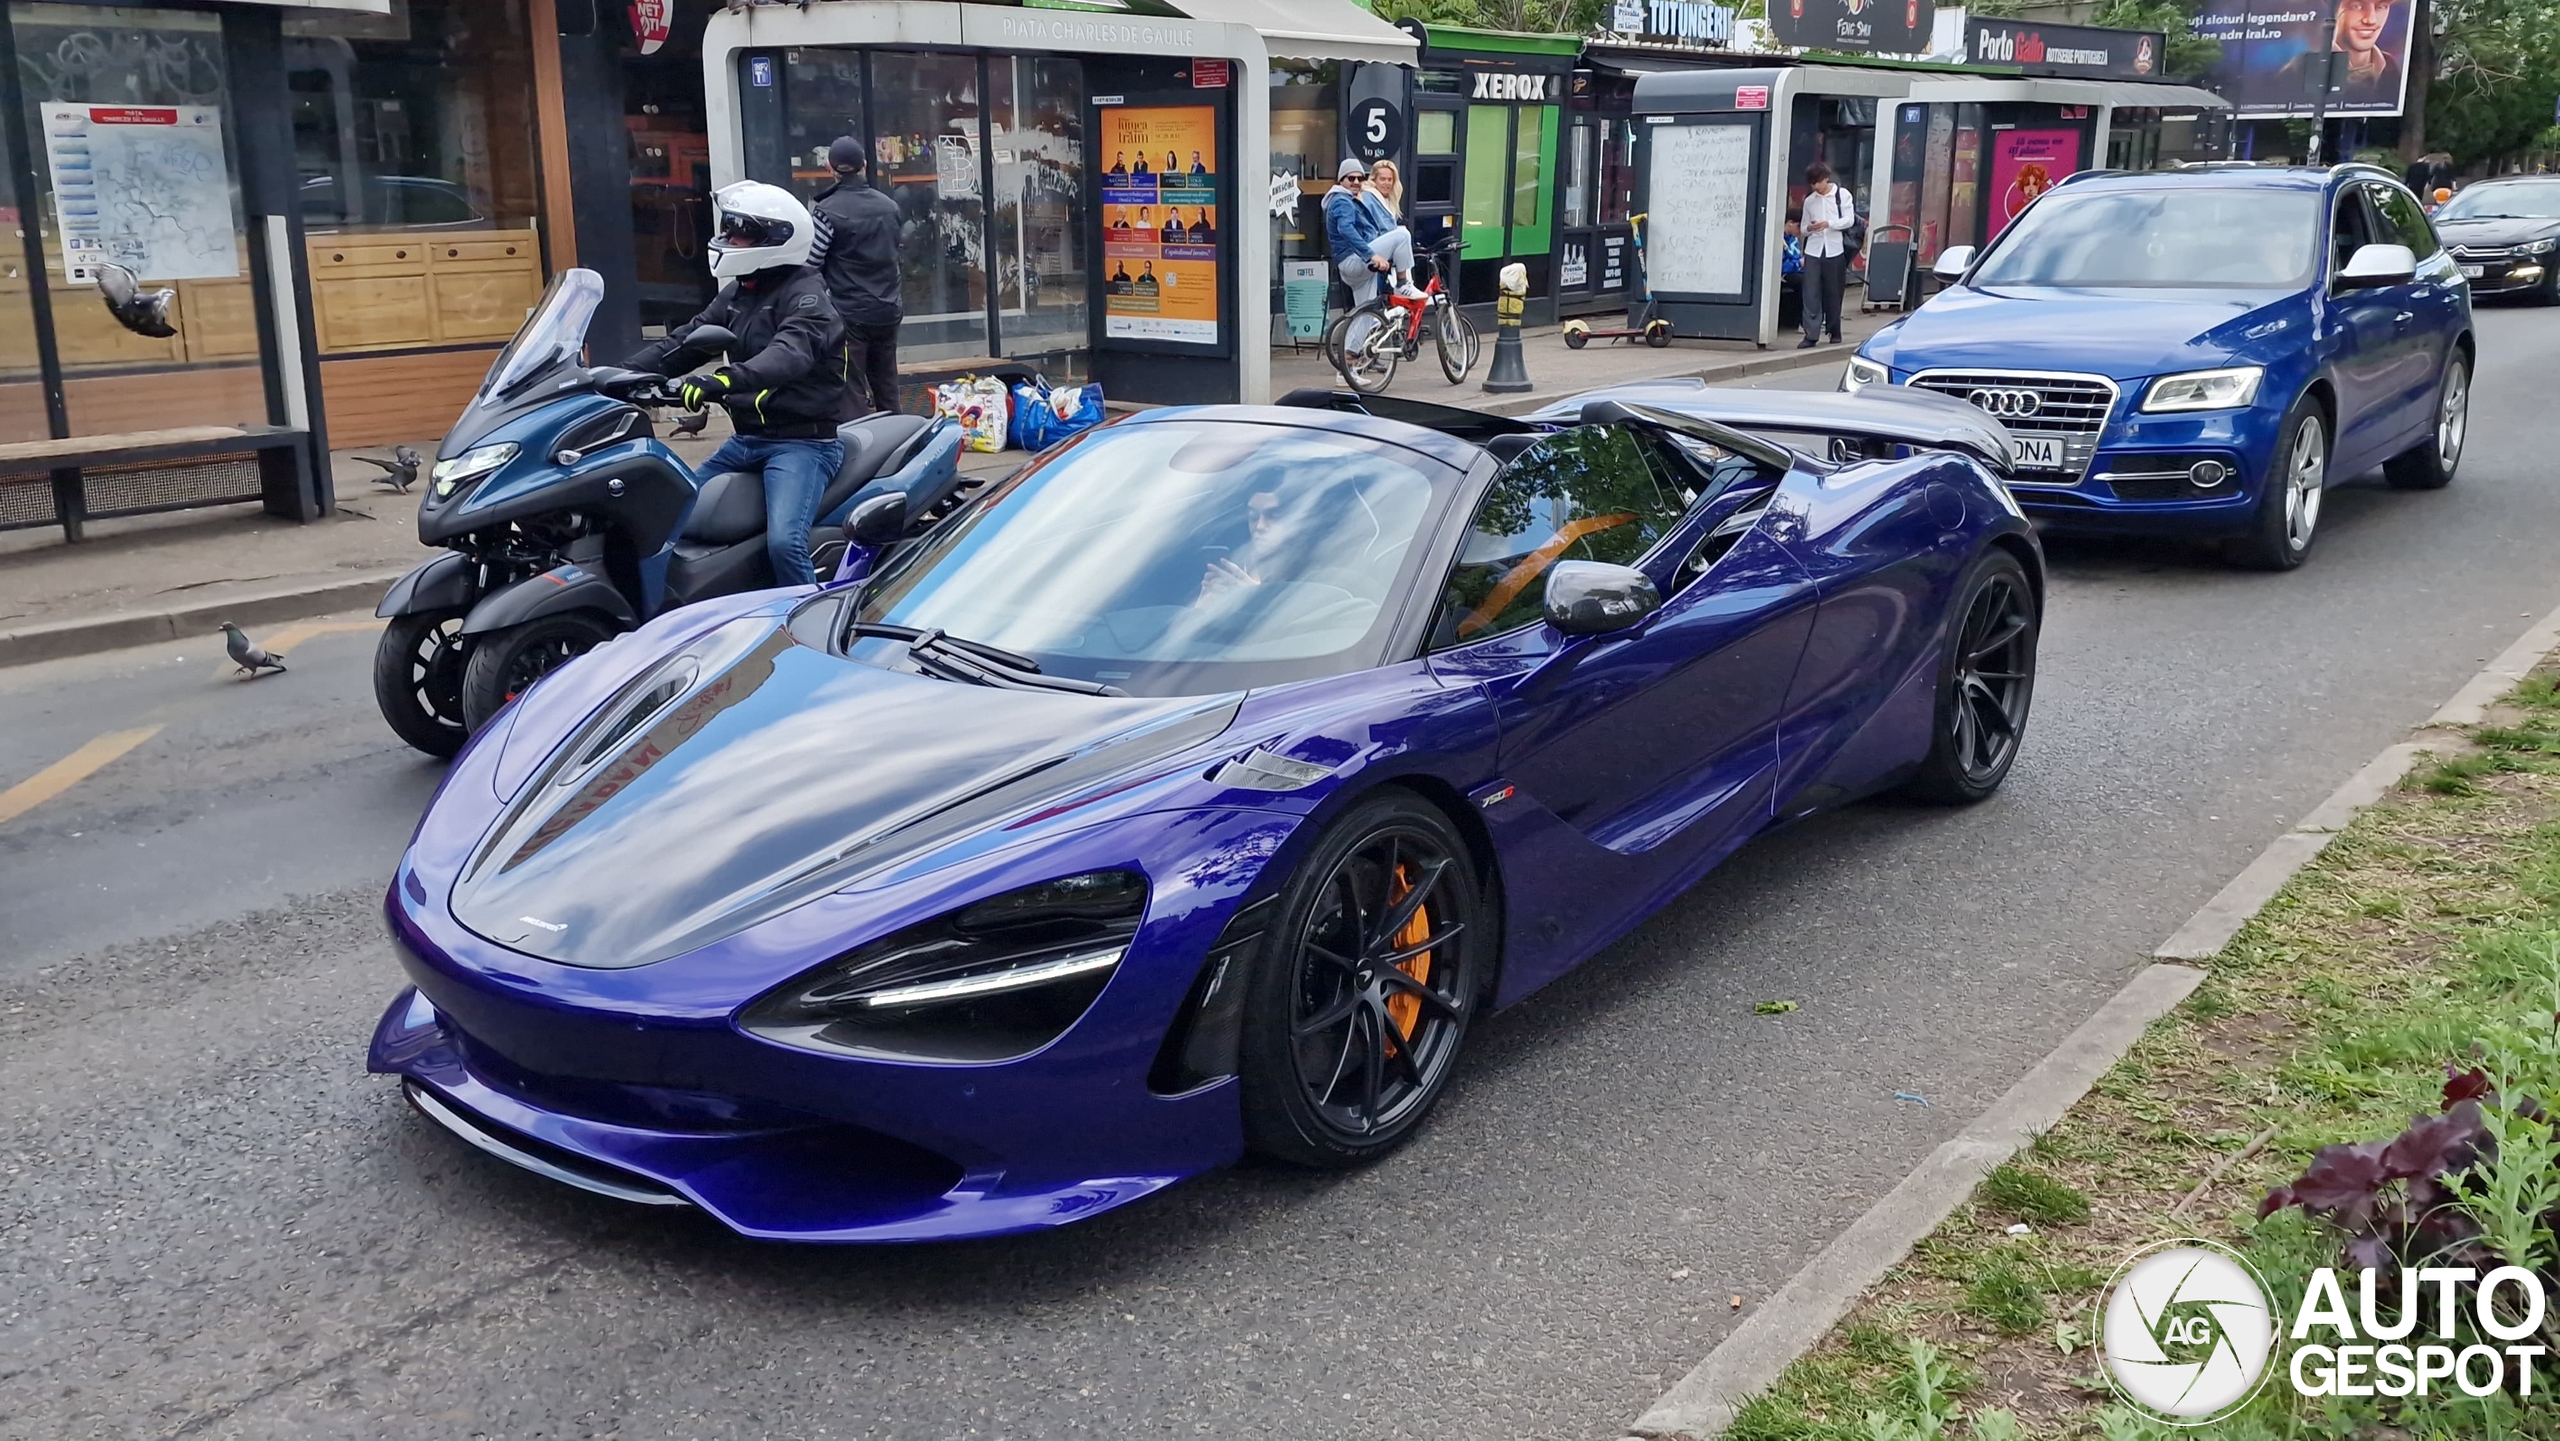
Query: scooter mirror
(877, 521)
(710, 339)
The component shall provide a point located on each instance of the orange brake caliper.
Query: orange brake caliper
(1406, 1010)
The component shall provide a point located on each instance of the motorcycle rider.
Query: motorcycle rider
(785, 380)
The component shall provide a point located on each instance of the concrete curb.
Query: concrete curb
(81, 635)
(1803, 1311)
(1727, 370)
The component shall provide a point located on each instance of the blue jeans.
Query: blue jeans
(796, 473)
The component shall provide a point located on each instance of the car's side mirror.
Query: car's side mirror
(1590, 597)
(1952, 263)
(710, 339)
(877, 522)
(2374, 265)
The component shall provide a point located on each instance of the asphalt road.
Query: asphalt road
(212, 1223)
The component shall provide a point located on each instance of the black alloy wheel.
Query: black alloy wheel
(1367, 984)
(505, 664)
(417, 680)
(1986, 683)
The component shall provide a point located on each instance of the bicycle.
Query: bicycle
(1365, 345)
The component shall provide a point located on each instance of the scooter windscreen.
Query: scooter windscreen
(552, 339)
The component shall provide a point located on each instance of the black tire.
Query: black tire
(1657, 333)
(1336, 335)
(2429, 465)
(1576, 339)
(2548, 292)
(1328, 1079)
(2287, 521)
(417, 680)
(1455, 337)
(504, 664)
(1986, 683)
(1371, 368)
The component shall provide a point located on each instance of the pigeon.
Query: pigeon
(690, 425)
(399, 472)
(246, 654)
(142, 312)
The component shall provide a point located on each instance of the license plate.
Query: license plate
(2039, 452)
(2474, 272)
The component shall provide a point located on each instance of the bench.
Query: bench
(91, 477)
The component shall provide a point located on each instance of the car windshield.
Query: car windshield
(1178, 557)
(2183, 238)
(556, 331)
(2504, 202)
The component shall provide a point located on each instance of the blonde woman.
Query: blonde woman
(1386, 186)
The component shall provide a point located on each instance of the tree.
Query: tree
(2495, 76)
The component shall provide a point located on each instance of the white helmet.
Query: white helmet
(755, 227)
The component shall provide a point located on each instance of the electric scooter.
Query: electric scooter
(565, 521)
(1647, 322)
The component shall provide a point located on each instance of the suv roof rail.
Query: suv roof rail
(2090, 175)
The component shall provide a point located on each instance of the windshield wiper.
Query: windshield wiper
(948, 657)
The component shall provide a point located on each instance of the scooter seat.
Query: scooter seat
(926, 470)
(730, 509)
(869, 445)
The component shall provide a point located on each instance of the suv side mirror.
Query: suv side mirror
(878, 521)
(2375, 265)
(710, 339)
(1590, 597)
(1952, 263)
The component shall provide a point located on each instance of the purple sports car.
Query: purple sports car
(1192, 791)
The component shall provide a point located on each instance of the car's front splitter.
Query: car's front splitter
(772, 1176)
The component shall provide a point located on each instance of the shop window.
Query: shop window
(1305, 142)
(1574, 174)
(413, 137)
(1533, 141)
(1483, 203)
(137, 162)
(1964, 188)
(1435, 132)
(1617, 171)
(926, 154)
(825, 89)
(1039, 145)
(1937, 176)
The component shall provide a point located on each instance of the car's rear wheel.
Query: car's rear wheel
(1986, 681)
(505, 664)
(2288, 515)
(1366, 986)
(2429, 464)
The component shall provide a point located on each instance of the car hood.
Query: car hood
(762, 773)
(2124, 334)
(2495, 232)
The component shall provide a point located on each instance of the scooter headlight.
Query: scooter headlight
(451, 475)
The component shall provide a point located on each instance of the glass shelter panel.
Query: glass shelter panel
(926, 154)
(1039, 144)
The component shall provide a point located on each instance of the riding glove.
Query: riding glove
(699, 390)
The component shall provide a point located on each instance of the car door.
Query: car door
(2359, 339)
(2430, 313)
(1653, 749)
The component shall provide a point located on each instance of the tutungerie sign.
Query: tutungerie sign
(2088, 50)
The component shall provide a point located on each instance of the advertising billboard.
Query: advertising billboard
(2024, 165)
(1160, 223)
(2041, 49)
(1884, 27)
(2275, 59)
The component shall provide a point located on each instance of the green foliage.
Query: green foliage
(2005, 1298)
(2498, 69)
(2031, 1195)
(2188, 53)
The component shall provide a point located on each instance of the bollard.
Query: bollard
(1510, 371)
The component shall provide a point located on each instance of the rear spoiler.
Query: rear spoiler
(1452, 420)
(1877, 416)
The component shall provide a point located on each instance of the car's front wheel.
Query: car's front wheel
(2429, 464)
(1369, 979)
(1986, 681)
(2288, 514)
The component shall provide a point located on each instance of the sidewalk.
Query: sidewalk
(160, 577)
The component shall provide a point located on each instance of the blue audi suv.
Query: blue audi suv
(2200, 352)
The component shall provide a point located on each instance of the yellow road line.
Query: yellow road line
(69, 771)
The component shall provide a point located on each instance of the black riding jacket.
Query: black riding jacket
(789, 362)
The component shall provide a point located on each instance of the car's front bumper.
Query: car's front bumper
(2504, 277)
(2141, 479)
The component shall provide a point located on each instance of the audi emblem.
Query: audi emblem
(2009, 404)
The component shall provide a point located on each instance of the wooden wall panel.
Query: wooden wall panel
(386, 291)
(162, 399)
(378, 399)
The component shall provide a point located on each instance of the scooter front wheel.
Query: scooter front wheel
(417, 680)
(505, 664)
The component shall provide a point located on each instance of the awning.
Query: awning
(2054, 90)
(1311, 29)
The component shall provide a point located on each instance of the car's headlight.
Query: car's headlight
(2539, 247)
(450, 475)
(1862, 373)
(988, 982)
(2205, 389)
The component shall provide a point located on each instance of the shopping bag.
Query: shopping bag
(981, 406)
(1044, 414)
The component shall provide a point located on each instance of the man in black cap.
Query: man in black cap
(857, 252)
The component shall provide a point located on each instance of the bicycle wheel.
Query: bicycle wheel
(1458, 343)
(1370, 360)
(1349, 334)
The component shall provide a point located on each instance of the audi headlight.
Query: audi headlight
(451, 475)
(1862, 373)
(988, 982)
(2205, 389)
